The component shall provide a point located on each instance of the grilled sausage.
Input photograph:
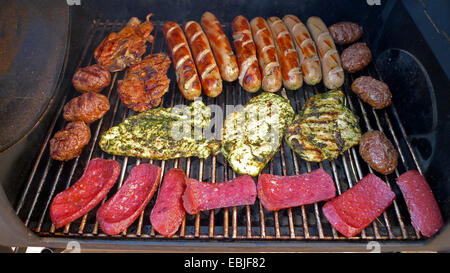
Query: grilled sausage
(333, 74)
(289, 62)
(267, 55)
(249, 74)
(376, 149)
(306, 49)
(88, 107)
(68, 143)
(374, 92)
(204, 59)
(356, 57)
(185, 70)
(221, 47)
(91, 78)
(345, 32)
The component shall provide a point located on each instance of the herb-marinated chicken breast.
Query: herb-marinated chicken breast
(162, 133)
(324, 128)
(252, 136)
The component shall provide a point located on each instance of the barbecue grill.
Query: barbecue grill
(408, 56)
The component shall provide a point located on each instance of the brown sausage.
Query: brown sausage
(333, 74)
(204, 59)
(221, 47)
(249, 74)
(374, 92)
(306, 49)
(290, 64)
(267, 55)
(376, 149)
(185, 70)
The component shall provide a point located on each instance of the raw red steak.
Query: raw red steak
(280, 192)
(119, 212)
(426, 217)
(205, 196)
(98, 178)
(354, 210)
(168, 212)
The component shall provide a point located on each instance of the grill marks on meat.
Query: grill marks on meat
(345, 32)
(377, 150)
(249, 73)
(88, 107)
(145, 83)
(183, 63)
(125, 48)
(324, 128)
(306, 49)
(288, 58)
(374, 92)
(68, 143)
(91, 78)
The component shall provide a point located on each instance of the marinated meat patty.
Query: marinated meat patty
(374, 92)
(126, 47)
(356, 57)
(145, 83)
(377, 150)
(345, 32)
(68, 143)
(91, 78)
(88, 107)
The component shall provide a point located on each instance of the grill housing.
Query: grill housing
(232, 229)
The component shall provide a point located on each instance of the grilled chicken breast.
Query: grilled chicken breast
(324, 128)
(252, 136)
(162, 134)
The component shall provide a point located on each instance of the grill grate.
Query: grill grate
(49, 177)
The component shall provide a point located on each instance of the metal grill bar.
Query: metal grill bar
(248, 222)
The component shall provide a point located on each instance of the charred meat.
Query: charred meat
(92, 78)
(125, 48)
(88, 107)
(68, 143)
(145, 83)
(324, 128)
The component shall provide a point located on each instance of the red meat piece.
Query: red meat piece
(98, 178)
(120, 211)
(354, 210)
(168, 212)
(205, 196)
(280, 192)
(426, 217)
